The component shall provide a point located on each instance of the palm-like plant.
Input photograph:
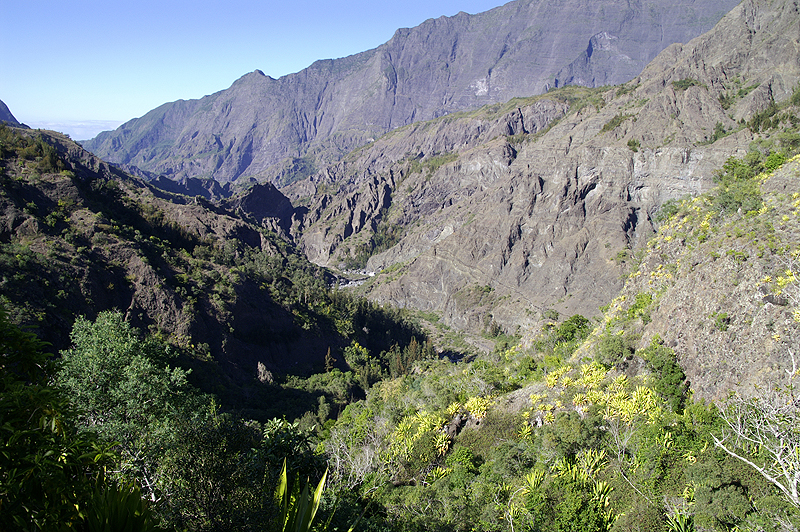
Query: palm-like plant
(297, 507)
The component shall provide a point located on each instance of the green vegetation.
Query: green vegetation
(775, 115)
(737, 91)
(685, 83)
(296, 169)
(737, 183)
(578, 97)
(33, 151)
(721, 320)
(67, 269)
(53, 475)
(614, 123)
(626, 89)
(297, 508)
(558, 342)
(576, 430)
(385, 235)
(719, 132)
(430, 164)
(669, 378)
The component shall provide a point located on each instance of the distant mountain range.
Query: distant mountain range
(284, 129)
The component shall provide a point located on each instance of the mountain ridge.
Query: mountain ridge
(6, 116)
(261, 126)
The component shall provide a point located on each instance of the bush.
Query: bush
(612, 349)
(569, 434)
(670, 380)
(737, 186)
(685, 83)
(614, 123)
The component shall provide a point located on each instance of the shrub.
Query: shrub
(614, 123)
(668, 209)
(685, 83)
(570, 433)
(737, 186)
(670, 380)
(612, 349)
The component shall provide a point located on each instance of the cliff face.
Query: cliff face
(282, 129)
(721, 290)
(534, 204)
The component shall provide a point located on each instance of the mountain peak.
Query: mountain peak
(7, 117)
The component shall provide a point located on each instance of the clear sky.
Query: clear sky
(102, 62)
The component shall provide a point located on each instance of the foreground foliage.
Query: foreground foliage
(52, 475)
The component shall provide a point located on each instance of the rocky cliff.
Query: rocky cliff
(502, 213)
(281, 129)
(720, 288)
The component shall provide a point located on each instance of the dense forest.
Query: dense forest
(585, 429)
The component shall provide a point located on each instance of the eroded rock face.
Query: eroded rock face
(521, 208)
(260, 126)
(714, 299)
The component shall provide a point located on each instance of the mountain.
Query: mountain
(278, 130)
(504, 213)
(6, 116)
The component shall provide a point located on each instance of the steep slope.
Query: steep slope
(719, 283)
(278, 129)
(536, 204)
(78, 236)
(7, 117)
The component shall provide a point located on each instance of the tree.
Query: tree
(208, 471)
(51, 474)
(764, 432)
(125, 391)
(670, 379)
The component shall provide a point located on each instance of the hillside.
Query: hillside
(718, 283)
(609, 424)
(598, 428)
(79, 237)
(590, 430)
(281, 129)
(571, 312)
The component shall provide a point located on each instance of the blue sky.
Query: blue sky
(99, 63)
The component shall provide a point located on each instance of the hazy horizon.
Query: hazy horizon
(76, 129)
